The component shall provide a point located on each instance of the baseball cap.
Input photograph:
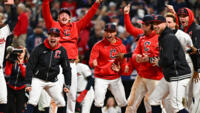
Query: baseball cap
(110, 27)
(65, 10)
(147, 19)
(183, 11)
(55, 31)
(159, 18)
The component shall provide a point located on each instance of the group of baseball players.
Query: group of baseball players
(166, 58)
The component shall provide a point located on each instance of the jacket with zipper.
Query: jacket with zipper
(44, 64)
(172, 57)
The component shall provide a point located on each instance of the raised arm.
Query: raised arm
(128, 25)
(87, 18)
(47, 14)
(171, 10)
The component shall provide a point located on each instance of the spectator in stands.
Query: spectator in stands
(20, 30)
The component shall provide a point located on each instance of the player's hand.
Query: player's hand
(171, 9)
(9, 2)
(15, 37)
(155, 62)
(95, 63)
(120, 55)
(66, 90)
(139, 58)
(99, 1)
(115, 67)
(127, 9)
(145, 58)
(126, 69)
(194, 50)
(195, 77)
(28, 89)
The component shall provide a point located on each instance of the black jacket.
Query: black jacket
(172, 57)
(44, 64)
(194, 32)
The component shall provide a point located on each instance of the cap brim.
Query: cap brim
(64, 11)
(110, 30)
(56, 34)
(158, 21)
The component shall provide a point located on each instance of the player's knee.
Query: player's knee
(123, 104)
(33, 102)
(98, 104)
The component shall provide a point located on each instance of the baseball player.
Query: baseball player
(174, 66)
(107, 68)
(4, 33)
(69, 39)
(186, 18)
(146, 50)
(186, 42)
(85, 92)
(43, 68)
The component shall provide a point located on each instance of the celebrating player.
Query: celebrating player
(43, 68)
(175, 69)
(85, 90)
(146, 50)
(107, 68)
(69, 39)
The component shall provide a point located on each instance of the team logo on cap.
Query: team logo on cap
(155, 17)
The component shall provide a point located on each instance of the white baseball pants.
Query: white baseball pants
(87, 102)
(175, 90)
(141, 88)
(52, 88)
(3, 88)
(115, 86)
(71, 96)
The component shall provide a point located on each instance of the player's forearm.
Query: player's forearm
(47, 14)
(90, 82)
(130, 28)
(87, 18)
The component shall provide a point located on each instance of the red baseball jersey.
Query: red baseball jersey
(149, 45)
(104, 52)
(69, 33)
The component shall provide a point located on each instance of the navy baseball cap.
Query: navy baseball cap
(159, 18)
(147, 19)
(183, 11)
(55, 31)
(110, 27)
(65, 10)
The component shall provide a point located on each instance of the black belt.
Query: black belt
(72, 60)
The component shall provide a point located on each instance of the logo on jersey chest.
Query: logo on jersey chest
(146, 45)
(2, 41)
(113, 52)
(57, 54)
